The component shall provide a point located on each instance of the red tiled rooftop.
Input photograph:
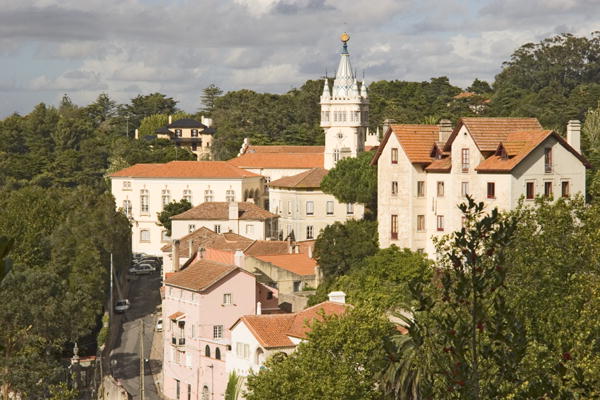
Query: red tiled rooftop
(278, 160)
(305, 180)
(200, 275)
(185, 169)
(220, 211)
(285, 149)
(416, 140)
(199, 237)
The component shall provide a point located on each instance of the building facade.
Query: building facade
(425, 171)
(142, 191)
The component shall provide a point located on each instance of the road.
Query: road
(144, 296)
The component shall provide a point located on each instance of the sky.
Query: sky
(178, 47)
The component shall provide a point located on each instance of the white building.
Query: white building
(344, 112)
(243, 218)
(304, 210)
(142, 191)
(424, 171)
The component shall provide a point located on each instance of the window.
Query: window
(166, 197)
(270, 296)
(310, 208)
(205, 393)
(218, 332)
(420, 188)
(421, 251)
(126, 185)
(394, 155)
(440, 189)
(194, 132)
(230, 196)
(187, 195)
(309, 232)
(491, 190)
(218, 353)
(548, 160)
(177, 388)
(194, 146)
(440, 222)
(208, 195)
(420, 223)
(207, 351)
(217, 228)
(394, 227)
(465, 160)
(330, 208)
(548, 189)
(144, 235)
(242, 350)
(336, 155)
(564, 188)
(529, 190)
(464, 189)
(189, 391)
(394, 188)
(249, 229)
(227, 298)
(178, 132)
(191, 228)
(144, 205)
(164, 237)
(349, 208)
(127, 208)
(297, 286)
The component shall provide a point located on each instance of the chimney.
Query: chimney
(296, 249)
(290, 248)
(445, 130)
(386, 124)
(337, 297)
(175, 255)
(190, 245)
(238, 259)
(258, 308)
(170, 119)
(234, 211)
(574, 134)
(137, 133)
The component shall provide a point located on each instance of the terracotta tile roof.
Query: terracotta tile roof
(308, 179)
(304, 319)
(185, 169)
(267, 247)
(220, 211)
(298, 263)
(278, 160)
(200, 275)
(274, 330)
(488, 132)
(177, 315)
(285, 149)
(464, 95)
(270, 329)
(441, 165)
(199, 238)
(517, 146)
(416, 140)
(229, 241)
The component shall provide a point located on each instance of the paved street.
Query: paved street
(144, 296)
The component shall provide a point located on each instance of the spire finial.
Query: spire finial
(345, 37)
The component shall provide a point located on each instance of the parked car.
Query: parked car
(159, 325)
(142, 269)
(121, 306)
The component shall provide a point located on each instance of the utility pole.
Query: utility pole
(141, 359)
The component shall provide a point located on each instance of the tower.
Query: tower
(344, 112)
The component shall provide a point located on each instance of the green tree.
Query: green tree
(144, 105)
(480, 87)
(209, 97)
(338, 361)
(340, 247)
(353, 180)
(170, 210)
(5, 263)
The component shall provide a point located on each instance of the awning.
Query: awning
(177, 316)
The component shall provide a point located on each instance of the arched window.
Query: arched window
(218, 353)
(205, 393)
(207, 351)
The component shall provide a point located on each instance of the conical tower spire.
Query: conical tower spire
(363, 89)
(326, 93)
(344, 77)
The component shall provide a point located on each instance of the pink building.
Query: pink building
(201, 302)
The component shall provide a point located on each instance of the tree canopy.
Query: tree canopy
(171, 209)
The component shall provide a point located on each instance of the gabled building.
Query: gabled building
(425, 171)
(200, 303)
(304, 209)
(243, 218)
(197, 136)
(143, 190)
